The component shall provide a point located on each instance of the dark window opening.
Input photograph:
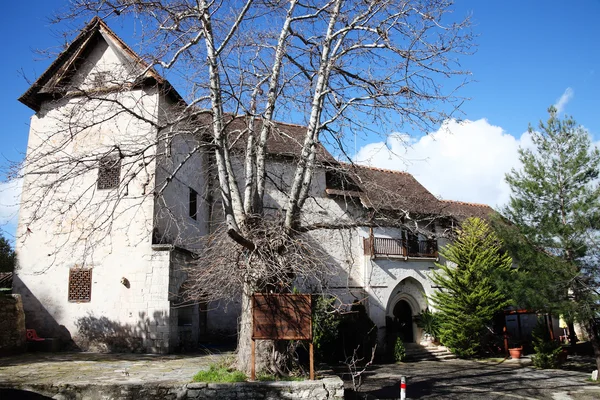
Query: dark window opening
(340, 180)
(193, 204)
(109, 173)
(80, 285)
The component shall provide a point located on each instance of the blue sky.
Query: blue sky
(530, 55)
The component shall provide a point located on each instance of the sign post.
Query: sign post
(282, 317)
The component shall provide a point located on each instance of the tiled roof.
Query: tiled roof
(284, 140)
(462, 210)
(392, 190)
(386, 189)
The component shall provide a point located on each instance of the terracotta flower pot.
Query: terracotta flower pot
(516, 352)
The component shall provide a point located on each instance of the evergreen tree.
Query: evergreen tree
(538, 282)
(469, 297)
(7, 256)
(555, 204)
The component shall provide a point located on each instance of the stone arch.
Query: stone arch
(407, 297)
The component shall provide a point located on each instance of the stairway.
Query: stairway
(417, 352)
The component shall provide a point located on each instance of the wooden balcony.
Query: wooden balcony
(385, 247)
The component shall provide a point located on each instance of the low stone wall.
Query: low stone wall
(324, 389)
(12, 335)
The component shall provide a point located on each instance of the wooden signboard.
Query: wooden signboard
(282, 317)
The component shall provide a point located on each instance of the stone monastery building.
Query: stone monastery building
(113, 206)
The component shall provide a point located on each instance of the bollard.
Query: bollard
(402, 388)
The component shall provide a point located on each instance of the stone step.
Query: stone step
(416, 352)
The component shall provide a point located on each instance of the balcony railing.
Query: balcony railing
(400, 247)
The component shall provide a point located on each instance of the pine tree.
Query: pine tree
(469, 297)
(7, 256)
(555, 203)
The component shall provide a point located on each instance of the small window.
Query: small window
(340, 180)
(193, 204)
(80, 285)
(109, 173)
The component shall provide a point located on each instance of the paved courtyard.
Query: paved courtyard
(460, 379)
(91, 368)
(455, 379)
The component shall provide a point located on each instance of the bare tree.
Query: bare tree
(337, 67)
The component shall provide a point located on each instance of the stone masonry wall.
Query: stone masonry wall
(12, 334)
(331, 388)
(324, 389)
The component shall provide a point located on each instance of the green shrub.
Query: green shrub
(547, 351)
(326, 322)
(216, 374)
(399, 350)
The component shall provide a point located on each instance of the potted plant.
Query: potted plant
(430, 323)
(515, 349)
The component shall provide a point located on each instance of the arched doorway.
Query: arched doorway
(406, 301)
(403, 321)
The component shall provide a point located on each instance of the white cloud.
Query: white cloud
(463, 161)
(10, 193)
(564, 99)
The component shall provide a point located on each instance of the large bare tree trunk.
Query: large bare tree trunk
(267, 356)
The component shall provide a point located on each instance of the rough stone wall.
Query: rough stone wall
(12, 334)
(325, 389)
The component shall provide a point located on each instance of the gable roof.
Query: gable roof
(51, 83)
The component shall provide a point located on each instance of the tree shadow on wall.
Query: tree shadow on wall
(37, 317)
(103, 335)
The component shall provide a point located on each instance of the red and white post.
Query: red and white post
(402, 388)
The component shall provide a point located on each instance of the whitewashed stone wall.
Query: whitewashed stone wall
(73, 224)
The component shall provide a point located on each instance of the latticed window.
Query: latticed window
(80, 285)
(109, 173)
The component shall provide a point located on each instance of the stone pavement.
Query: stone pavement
(92, 368)
(470, 380)
(76, 376)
